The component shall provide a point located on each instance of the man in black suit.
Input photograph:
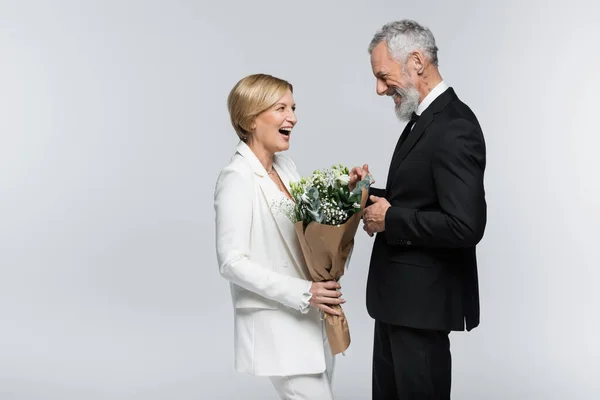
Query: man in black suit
(422, 280)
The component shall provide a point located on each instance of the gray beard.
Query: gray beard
(408, 105)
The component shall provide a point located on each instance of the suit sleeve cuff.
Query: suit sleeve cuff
(304, 302)
(374, 192)
(395, 219)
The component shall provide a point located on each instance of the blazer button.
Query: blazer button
(285, 265)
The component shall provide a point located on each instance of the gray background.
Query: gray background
(114, 128)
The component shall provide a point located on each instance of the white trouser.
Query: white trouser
(308, 387)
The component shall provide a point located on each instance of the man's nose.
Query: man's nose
(381, 88)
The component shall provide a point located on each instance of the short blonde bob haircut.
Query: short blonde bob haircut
(251, 96)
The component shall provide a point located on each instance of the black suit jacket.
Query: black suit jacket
(423, 269)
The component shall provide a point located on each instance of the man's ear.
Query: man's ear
(418, 61)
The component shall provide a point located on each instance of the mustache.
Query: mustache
(399, 91)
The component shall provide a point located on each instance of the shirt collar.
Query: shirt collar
(437, 90)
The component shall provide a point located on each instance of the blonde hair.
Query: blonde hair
(251, 96)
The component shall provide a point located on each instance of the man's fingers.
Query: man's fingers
(359, 173)
(356, 173)
(374, 198)
(367, 214)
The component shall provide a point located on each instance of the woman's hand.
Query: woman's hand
(324, 294)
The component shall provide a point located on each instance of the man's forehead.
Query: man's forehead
(380, 56)
(380, 70)
(379, 65)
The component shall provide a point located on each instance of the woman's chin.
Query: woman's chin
(283, 146)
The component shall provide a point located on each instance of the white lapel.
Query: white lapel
(273, 196)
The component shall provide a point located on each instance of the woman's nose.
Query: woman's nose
(292, 117)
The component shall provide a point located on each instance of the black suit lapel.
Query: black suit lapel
(413, 137)
(422, 123)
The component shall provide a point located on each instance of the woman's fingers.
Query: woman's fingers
(329, 310)
(326, 294)
(329, 300)
(329, 293)
(330, 285)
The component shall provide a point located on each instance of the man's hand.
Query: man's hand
(374, 215)
(357, 174)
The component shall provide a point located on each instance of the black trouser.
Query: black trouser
(410, 364)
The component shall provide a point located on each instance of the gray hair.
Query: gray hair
(404, 37)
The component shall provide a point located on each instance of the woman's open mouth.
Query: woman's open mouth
(285, 131)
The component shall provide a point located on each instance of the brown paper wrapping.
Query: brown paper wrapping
(326, 249)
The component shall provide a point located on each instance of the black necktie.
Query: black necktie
(405, 132)
(413, 118)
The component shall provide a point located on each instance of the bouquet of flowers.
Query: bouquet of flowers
(326, 216)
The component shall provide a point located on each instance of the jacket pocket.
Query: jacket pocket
(417, 259)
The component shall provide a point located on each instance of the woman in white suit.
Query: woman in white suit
(278, 329)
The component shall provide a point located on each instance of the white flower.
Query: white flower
(344, 179)
(329, 178)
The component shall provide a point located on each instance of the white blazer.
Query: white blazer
(276, 333)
